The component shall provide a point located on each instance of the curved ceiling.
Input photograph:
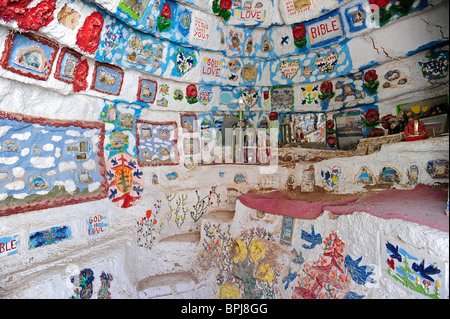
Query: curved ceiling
(238, 46)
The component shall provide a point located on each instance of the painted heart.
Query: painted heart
(331, 177)
(289, 69)
(185, 61)
(415, 109)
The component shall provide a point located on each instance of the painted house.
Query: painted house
(254, 149)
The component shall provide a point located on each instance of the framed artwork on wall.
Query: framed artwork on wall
(66, 65)
(49, 163)
(107, 79)
(147, 90)
(349, 129)
(189, 122)
(287, 230)
(157, 143)
(29, 55)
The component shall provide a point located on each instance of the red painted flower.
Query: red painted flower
(331, 140)
(191, 90)
(165, 11)
(391, 263)
(225, 4)
(88, 36)
(370, 76)
(372, 115)
(330, 124)
(148, 213)
(273, 116)
(326, 86)
(266, 95)
(299, 31)
(380, 3)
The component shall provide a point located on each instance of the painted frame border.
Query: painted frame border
(59, 201)
(185, 130)
(61, 56)
(139, 93)
(175, 144)
(110, 66)
(9, 44)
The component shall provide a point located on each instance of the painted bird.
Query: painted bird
(394, 250)
(289, 278)
(360, 274)
(425, 272)
(311, 238)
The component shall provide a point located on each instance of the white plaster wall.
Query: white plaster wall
(361, 234)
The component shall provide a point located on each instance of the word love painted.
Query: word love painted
(211, 67)
(96, 225)
(250, 15)
(325, 29)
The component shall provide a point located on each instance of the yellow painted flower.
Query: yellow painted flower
(257, 249)
(438, 283)
(229, 290)
(238, 250)
(264, 272)
(417, 279)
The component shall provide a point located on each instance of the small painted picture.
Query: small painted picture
(157, 143)
(66, 65)
(107, 79)
(349, 129)
(29, 55)
(189, 122)
(282, 97)
(147, 90)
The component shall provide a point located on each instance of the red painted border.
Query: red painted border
(45, 203)
(195, 129)
(9, 43)
(177, 156)
(140, 89)
(60, 59)
(94, 76)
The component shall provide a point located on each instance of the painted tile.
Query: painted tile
(49, 236)
(413, 269)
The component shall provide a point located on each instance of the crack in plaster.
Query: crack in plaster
(437, 26)
(382, 48)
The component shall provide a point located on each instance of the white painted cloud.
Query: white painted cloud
(25, 151)
(57, 152)
(56, 138)
(70, 186)
(3, 196)
(43, 162)
(15, 186)
(52, 172)
(48, 147)
(72, 133)
(89, 165)
(9, 160)
(18, 171)
(93, 187)
(4, 130)
(22, 137)
(20, 196)
(67, 166)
